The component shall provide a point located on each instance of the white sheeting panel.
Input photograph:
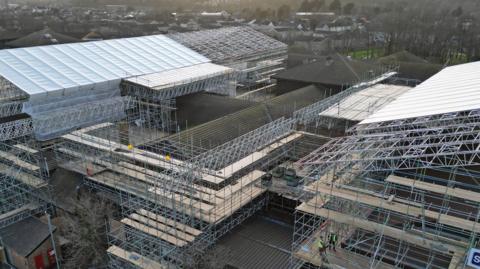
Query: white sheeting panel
(360, 105)
(181, 75)
(61, 69)
(455, 88)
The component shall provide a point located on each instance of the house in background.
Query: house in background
(334, 72)
(40, 38)
(411, 66)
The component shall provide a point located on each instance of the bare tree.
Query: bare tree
(348, 8)
(86, 232)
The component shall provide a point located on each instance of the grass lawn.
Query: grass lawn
(367, 54)
(458, 58)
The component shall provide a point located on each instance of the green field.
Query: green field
(373, 53)
(458, 58)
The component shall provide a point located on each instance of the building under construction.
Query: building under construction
(388, 168)
(400, 188)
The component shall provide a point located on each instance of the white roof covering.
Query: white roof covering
(182, 75)
(92, 65)
(360, 105)
(456, 88)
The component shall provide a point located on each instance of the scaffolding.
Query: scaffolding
(353, 109)
(254, 55)
(157, 92)
(22, 169)
(231, 44)
(176, 200)
(176, 197)
(10, 92)
(401, 193)
(51, 124)
(309, 114)
(23, 181)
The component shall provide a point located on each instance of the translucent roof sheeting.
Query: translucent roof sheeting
(231, 43)
(454, 89)
(360, 105)
(188, 74)
(91, 65)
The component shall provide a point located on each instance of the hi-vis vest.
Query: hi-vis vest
(333, 238)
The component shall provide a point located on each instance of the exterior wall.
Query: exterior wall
(17, 260)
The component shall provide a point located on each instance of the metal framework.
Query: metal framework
(9, 92)
(15, 129)
(51, 124)
(255, 55)
(231, 44)
(23, 181)
(223, 84)
(176, 200)
(309, 114)
(10, 108)
(398, 193)
(23, 170)
(157, 102)
(244, 145)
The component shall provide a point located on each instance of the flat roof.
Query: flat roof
(92, 65)
(454, 89)
(362, 104)
(167, 79)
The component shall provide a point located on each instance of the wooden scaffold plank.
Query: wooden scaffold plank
(435, 188)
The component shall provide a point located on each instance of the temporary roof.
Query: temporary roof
(231, 43)
(454, 89)
(360, 105)
(188, 74)
(92, 65)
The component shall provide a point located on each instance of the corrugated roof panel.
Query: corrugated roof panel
(80, 59)
(63, 64)
(360, 105)
(47, 69)
(176, 76)
(456, 88)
